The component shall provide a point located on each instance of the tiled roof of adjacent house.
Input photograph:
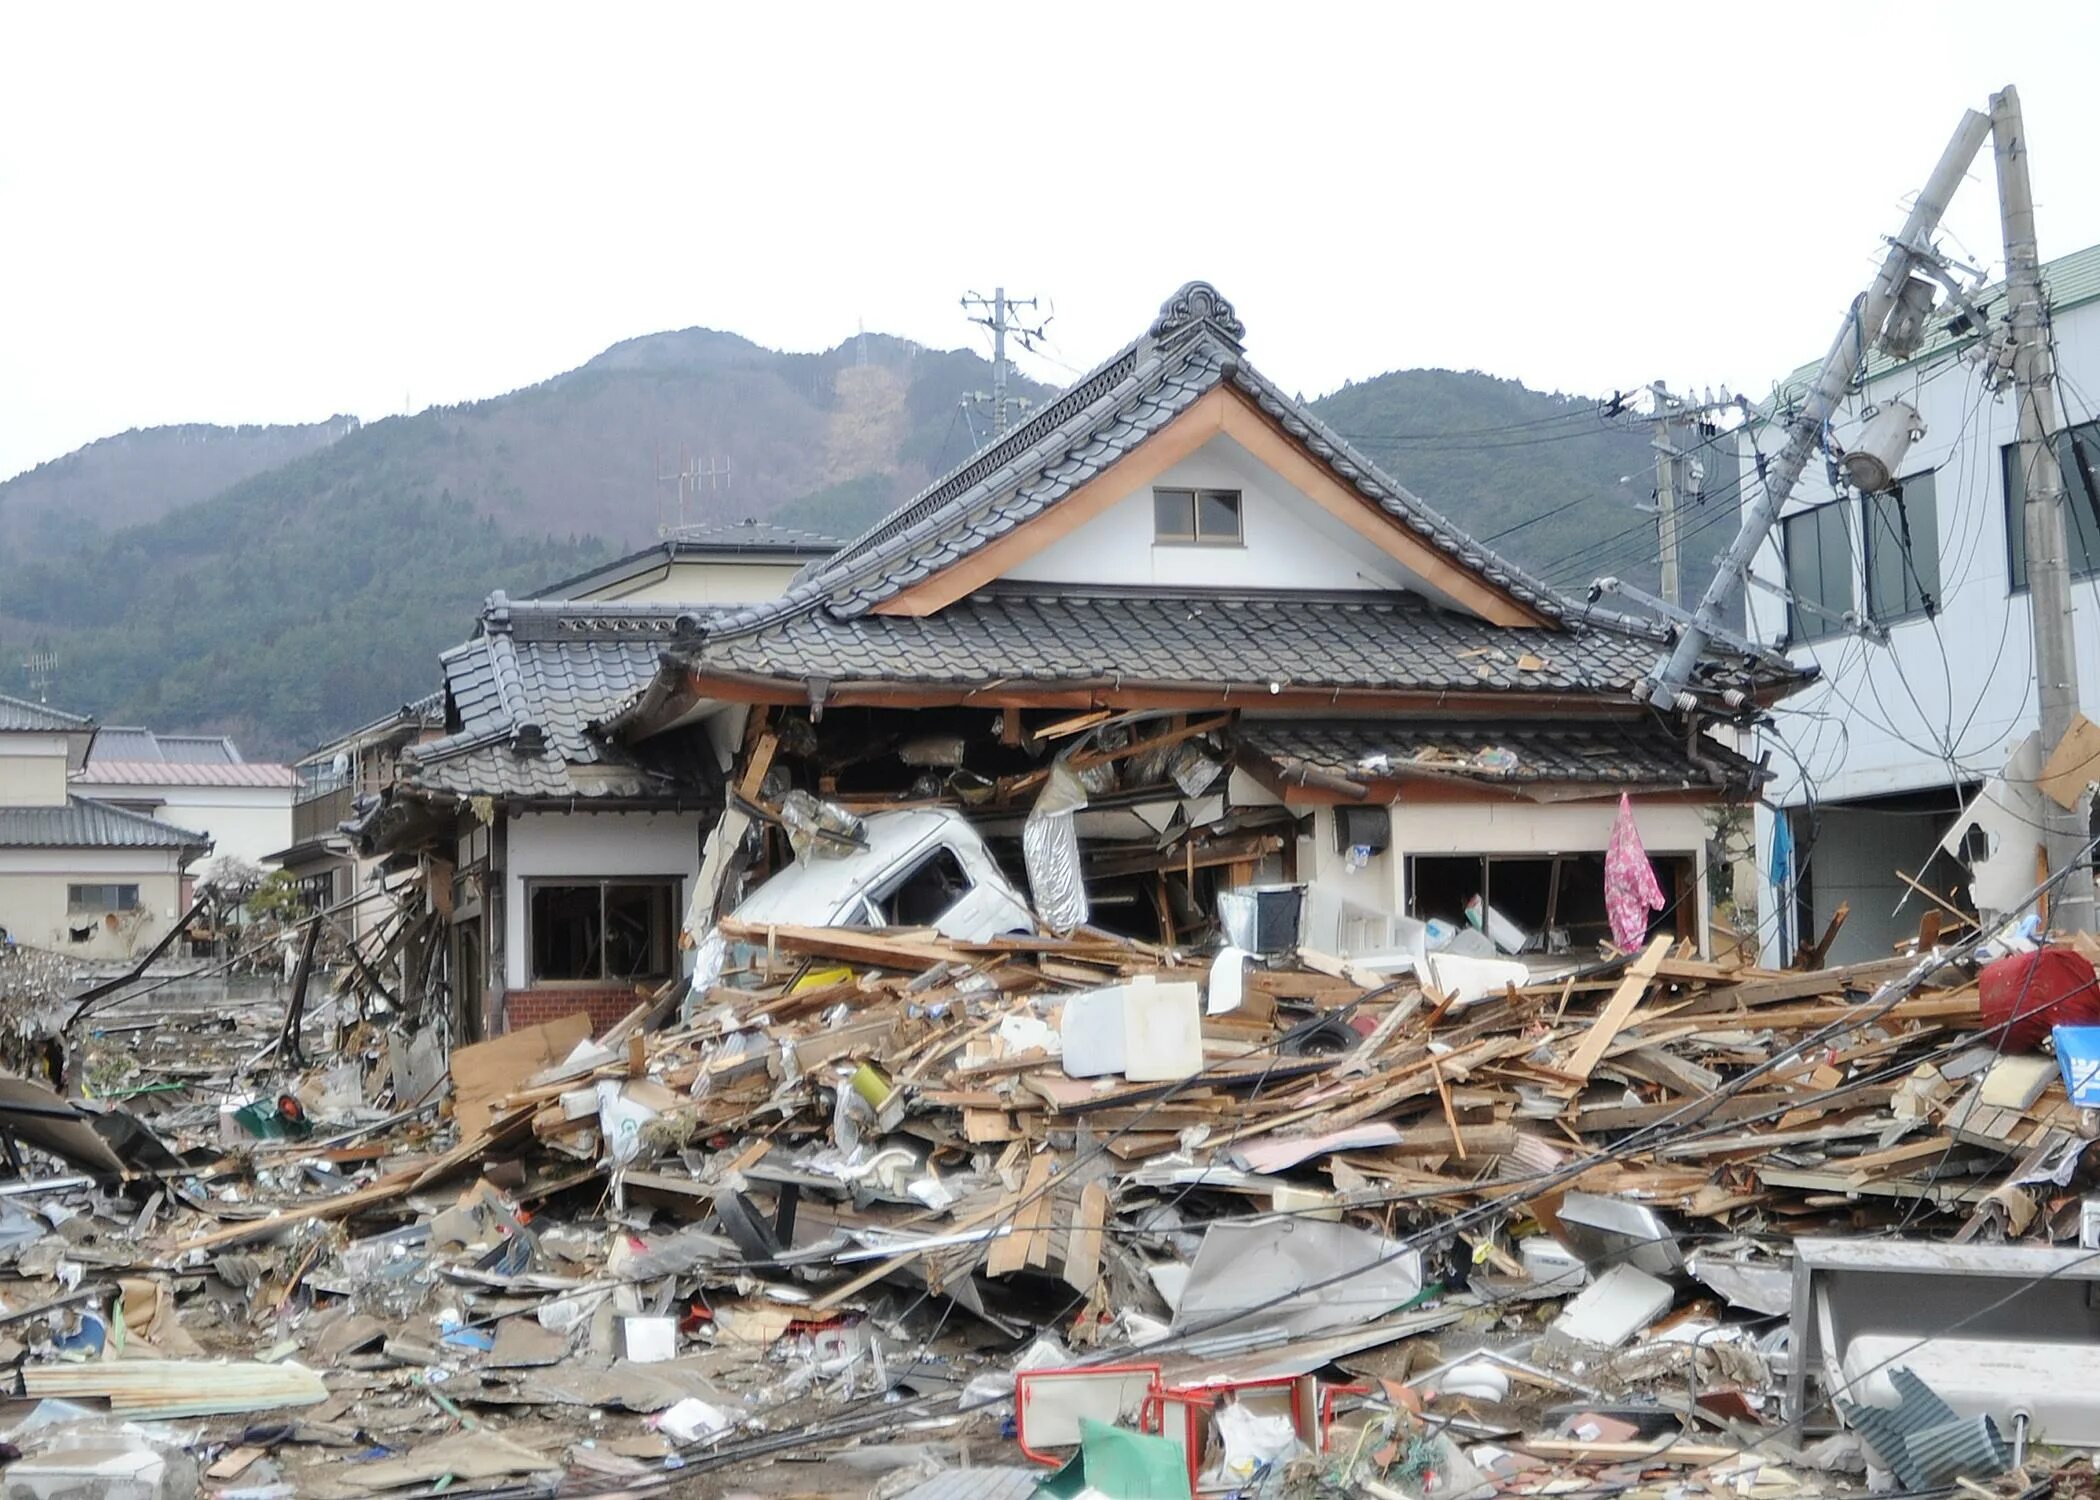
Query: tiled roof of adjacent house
(19, 714)
(522, 692)
(86, 824)
(101, 771)
(1629, 753)
(128, 742)
(746, 540)
(1052, 633)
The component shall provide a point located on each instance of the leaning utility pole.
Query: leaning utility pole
(2048, 548)
(999, 305)
(1669, 686)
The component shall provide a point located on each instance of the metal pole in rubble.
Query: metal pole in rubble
(2048, 548)
(1669, 686)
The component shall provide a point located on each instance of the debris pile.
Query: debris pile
(1316, 1228)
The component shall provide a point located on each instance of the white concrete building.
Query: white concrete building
(198, 782)
(1875, 761)
(79, 876)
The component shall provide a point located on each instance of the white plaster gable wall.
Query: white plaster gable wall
(1290, 541)
(593, 845)
(243, 822)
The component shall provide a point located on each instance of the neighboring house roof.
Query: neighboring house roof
(1053, 633)
(1635, 753)
(747, 541)
(127, 742)
(522, 693)
(20, 715)
(83, 823)
(105, 772)
(426, 711)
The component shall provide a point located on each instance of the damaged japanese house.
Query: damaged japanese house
(1171, 604)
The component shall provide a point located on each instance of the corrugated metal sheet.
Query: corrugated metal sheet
(1921, 1439)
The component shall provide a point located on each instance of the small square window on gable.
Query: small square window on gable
(1201, 517)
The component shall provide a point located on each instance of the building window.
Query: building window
(1818, 572)
(1903, 550)
(98, 900)
(1210, 517)
(2078, 460)
(601, 931)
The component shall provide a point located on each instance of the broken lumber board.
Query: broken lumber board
(914, 950)
(1860, 976)
(1618, 1010)
(1083, 1248)
(1010, 1252)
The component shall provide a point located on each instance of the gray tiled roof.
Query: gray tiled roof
(523, 692)
(127, 742)
(1048, 633)
(1628, 753)
(86, 824)
(19, 714)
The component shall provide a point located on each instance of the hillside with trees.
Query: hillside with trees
(313, 593)
(142, 475)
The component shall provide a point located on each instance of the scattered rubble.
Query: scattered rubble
(1161, 1218)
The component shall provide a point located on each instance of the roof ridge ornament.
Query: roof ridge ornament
(1198, 302)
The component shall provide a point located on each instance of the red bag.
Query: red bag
(2027, 993)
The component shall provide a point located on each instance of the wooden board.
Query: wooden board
(485, 1071)
(2073, 764)
(1618, 1010)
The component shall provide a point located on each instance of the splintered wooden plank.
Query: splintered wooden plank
(1010, 1251)
(1083, 1250)
(1618, 1010)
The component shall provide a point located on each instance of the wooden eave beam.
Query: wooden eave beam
(1108, 693)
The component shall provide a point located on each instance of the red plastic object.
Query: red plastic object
(2027, 993)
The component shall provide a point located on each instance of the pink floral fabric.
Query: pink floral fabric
(1630, 887)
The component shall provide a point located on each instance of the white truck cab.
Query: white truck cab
(921, 867)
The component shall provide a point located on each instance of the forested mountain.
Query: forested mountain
(141, 475)
(303, 597)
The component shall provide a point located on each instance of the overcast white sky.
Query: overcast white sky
(272, 213)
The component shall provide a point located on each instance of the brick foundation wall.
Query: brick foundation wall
(523, 1008)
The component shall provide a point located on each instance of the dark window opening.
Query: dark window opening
(1189, 515)
(1902, 529)
(923, 897)
(1556, 901)
(95, 899)
(1818, 572)
(2078, 463)
(610, 931)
